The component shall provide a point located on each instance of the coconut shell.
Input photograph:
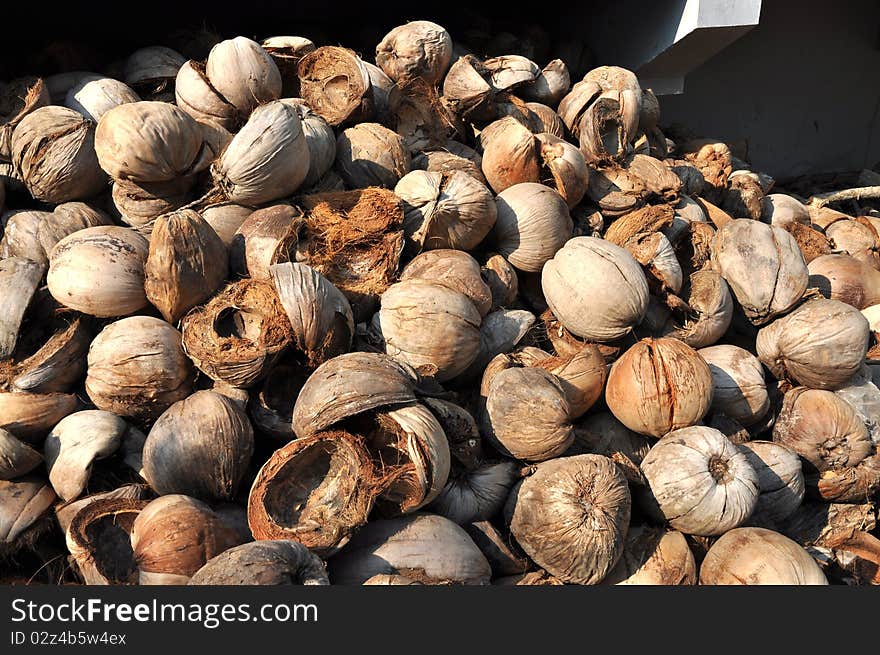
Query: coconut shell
(445, 210)
(845, 278)
(369, 154)
(19, 280)
(821, 344)
(95, 96)
(18, 99)
(571, 517)
(780, 479)
(527, 414)
(23, 502)
(21, 236)
(174, 536)
(477, 495)
(30, 416)
(452, 156)
(280, 562)
(424, 547)
(200, 446)
(699, 482)
(417, 50)
(601, 313)
(243, 73)
(348, 385)
(98, 538)
(763, 266)
(186, 263)
(16, 457)
(267, 159)
(738, 384)
(316, 491)
(511, 154)
(500, 332)
(139, 204)
(194, 94)
(659, 385)
(320, 316)
(82, 438)
(238, 336)
(532, 224)
(52, 355)
(453, 269)
(335, 83)
(137, 368)
(654, 556)
(54, 150)
(267, 236)
(150, 142)
(756, 556)
(287, 51)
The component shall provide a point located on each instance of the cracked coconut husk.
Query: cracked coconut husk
(644, 220)
(317, 491)
(422, 117)
(355, 239)
(239, 334)
(98, 538)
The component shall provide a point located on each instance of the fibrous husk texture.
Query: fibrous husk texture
(279, 562)
(239, 334)
(355, 239)
(336, 84)
(571, 517)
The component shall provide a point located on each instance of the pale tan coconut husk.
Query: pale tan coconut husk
(715, 162)
(287, 51)
(355, 239)
(654, 556)
(30, 416)
(16, 457)
(239, 334)
(21, 235)
(66, 219)
(268, 236)
(18, 99)
(451, 156)
(369, 154)
(139, 204)
(54, 150)
(336, 85)
(19, 280)
(195, 95)
(467, 89)
(845, 278)
(243, 73)
(418, 50)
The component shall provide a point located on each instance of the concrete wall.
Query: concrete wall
(803, 88)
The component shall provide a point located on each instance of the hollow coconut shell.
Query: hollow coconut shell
(95, 96)
(267, 236)
(16, 457)
(24, 502)
(98, 538)
(336, 84)
(476, 495)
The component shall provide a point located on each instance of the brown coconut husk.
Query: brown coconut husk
(316, 491)
(644, 220)
(421, 117)
(355, 239)
(238, 336)
(336, 85)
(811, 241)
(99, 541)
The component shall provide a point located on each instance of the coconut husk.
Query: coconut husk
(65, 512)
(139, 204)
(336, 85)
(66, 219)
(421, 117)
(279, 562)
(287, 51)
(316, 491)
(21, 235)
(22, 503)
(16, 457)
(238, 336)
(98, 538)
(19, 279)
(743, 198)
(644, 220)
(271, 404)
(466, 87)
(450, 157)
(18, 99)
(268, 236)
(30, 416)
(715, 162)
(504, 556)
(186, 264)
(355, 239)
(811, 241)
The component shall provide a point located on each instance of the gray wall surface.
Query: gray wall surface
(802, 88)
